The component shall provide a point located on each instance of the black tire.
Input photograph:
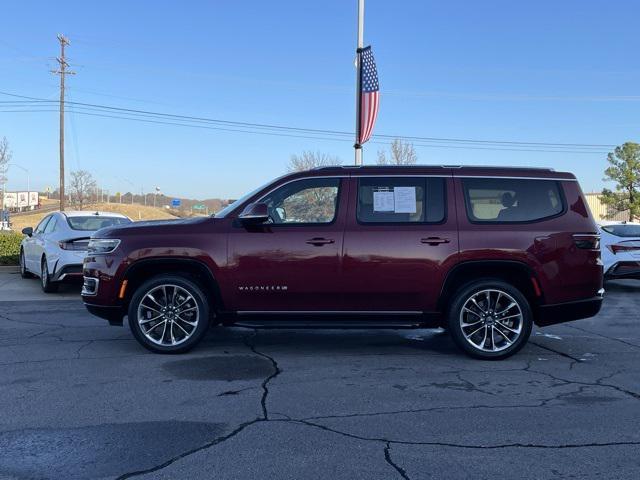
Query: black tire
(494, 333)
(24, 273)
(45, 279)
(173, 283)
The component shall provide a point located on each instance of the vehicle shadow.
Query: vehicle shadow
(335, 341)
(622, 286)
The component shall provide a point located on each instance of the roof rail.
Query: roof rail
(492, 167)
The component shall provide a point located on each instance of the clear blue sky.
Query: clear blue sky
(544, 71)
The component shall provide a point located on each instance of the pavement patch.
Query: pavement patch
(226, 368)
(98, 451)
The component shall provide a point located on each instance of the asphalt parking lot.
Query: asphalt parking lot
(80, 399)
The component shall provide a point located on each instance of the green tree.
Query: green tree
(624, 170)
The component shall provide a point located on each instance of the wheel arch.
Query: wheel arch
(141, 270)
(514, 272)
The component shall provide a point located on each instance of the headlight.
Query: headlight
(102, 245)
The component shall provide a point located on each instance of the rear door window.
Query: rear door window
(506, 200)
(401, 200)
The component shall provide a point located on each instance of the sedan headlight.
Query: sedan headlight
(102, 245)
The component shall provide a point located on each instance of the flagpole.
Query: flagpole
(357, 146)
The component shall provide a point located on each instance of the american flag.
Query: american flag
(369, 94)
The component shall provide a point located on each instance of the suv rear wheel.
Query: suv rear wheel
(169, 314)
(490, 319)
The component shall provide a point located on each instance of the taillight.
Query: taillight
(628, 246)
(79, 244)
(587, 241)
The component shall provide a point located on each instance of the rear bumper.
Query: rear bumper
(68, 272)
(114, 314)
(623, 270)
(567, 312)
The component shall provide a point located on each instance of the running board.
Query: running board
(342, 321)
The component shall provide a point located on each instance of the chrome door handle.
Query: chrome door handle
(320, 241)
(434, 240)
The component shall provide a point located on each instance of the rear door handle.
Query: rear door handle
(434, 240)
(319, 241)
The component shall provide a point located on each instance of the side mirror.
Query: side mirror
(28, 231)
(255, 213)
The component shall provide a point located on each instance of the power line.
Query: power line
(271, 129)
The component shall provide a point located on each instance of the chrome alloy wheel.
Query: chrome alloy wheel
(491, 320)
(168, 315)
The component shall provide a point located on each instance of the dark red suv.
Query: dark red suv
(482, 252)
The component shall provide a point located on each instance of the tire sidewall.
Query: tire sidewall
(23, 265)
(45, 279)
(460, 298)
(194, 289)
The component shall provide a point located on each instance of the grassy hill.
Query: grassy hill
(133, 211)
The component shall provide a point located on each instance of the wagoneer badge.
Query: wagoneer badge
(263, 288)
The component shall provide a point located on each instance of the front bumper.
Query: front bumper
(114, 314)
(569, 311)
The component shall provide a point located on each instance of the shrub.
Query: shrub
(9, 248)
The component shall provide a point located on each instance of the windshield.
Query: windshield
(232, 206)
(623, 230)
(95, 222)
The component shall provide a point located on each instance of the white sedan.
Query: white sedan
(55, 249)
(620, 247)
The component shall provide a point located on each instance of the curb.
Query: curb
(9, 268)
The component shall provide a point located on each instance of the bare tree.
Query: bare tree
(401, 153)
(82, 188)
(308, 160)
(5, 158)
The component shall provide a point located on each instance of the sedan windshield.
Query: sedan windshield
(95, 222)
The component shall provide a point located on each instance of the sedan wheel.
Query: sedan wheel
(45, 280)
(24, 273)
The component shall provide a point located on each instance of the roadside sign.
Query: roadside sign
(175, 202)
(199, 207)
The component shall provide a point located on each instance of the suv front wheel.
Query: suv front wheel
(169, 314)
(490, 319)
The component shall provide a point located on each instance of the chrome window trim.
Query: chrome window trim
(554, 179)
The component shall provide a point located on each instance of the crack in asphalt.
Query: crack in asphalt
(462, 445)
(265, 418)
(265, 382)
(573, 359)
(395, 466)
(614, 339)
(213, 443)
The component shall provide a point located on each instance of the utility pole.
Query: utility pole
(63, 72)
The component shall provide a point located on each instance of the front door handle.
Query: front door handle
(434, 240)
(320, 241)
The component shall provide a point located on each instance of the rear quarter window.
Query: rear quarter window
(497, 200)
